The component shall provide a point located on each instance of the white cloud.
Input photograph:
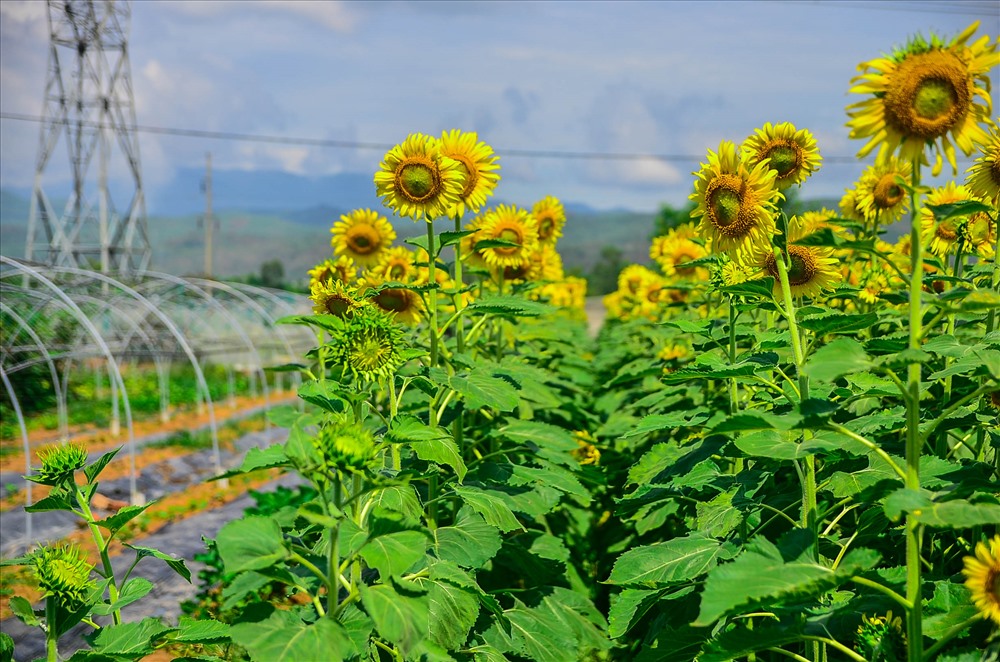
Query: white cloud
(336, 16)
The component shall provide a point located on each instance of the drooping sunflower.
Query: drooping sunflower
(982, 578)
(880, 195)
(927, 93)
(479, 164)
(736, 203)
(980, 234)
(363, 236)
(942, 236)
(416, 180)
(333, 298)
(342, 269)
(550, 217)
(849, 205)
(792, 152)
(983, 178)
(511, 224)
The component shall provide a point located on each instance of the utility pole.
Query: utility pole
(90, 108)
(209, 221)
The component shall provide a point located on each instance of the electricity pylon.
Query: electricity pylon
(89, 107)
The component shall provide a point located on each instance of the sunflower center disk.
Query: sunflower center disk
(784, 159)
(417, 182)
(933, 99)
(803, 266)
(393, 300)
(995, 170)
(947, 230)
(397, 272)
(471, 177)
(545, 228)
(888, 193)
(337, 306)
(726, 206)
(363, 243)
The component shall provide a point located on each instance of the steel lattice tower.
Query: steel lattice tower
(90, 107)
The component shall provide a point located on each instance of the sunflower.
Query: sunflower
(983, 178)
(550, 217)
(944, 235)
(849, 206)
(792, 153)
(673, 250)
(479, 165)
(734, 273)
(881, 638)
(342, 269)
(982, 578)
(880, 195)
(510, 224)
(416, 180)
(59, 463)
(544, 264)
(921, 95)
(403, 304)
(363, 236)
(812, 270)
(633, 278)
(63, 573)
(333, 298)
(980, 234)
(397, 264)
(736, 203)
(586, 451)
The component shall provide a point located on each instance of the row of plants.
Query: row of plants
(784, 445)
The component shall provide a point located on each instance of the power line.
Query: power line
(352, 144)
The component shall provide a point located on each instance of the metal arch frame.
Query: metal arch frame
(155, 276)
(27, 445)
(268, 318)
(57, 385)
(178, 335)
(115, 372)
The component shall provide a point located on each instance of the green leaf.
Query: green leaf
(838, 323)
(469, 542)
(450, 237)
(200, 631)
(401, 499)
(667, 563)
(132, 590)
(23, 610)
(325, 394)
(393, 553)
(410, 428)
(441, 451)
(259, 458)
(402, 619)
(761, 573)
(283, 637)
(492, 508)
(452, 611)
(122, 517)
(94, 469)
(176, 564)
(760, 287)
(250, 543)
(326, 322)
(509, 306)
(532, 635)
(480, 389)
(628, 607)
(132, 640)
(951, 514)
(958, 209)
(756, 420)
(6, 647)
(840, 357)
(51, 502)
(673, 420)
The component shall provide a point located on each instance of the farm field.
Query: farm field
(782, 443)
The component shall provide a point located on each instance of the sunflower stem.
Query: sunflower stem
(51, 630)
(733, 388)
(432, 295)
(809, 474)
(333, 562)
(457, 426)
(914, 441)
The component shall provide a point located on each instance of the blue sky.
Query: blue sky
(625, 77)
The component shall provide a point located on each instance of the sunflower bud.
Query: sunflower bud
(59, 463)
(345, 445)
(63, 574)
(369, 346)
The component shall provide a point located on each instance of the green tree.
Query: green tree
(272, 274)
(670, 217)
(603, 276)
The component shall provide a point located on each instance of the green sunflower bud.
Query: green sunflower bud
(64, 574)
(345, 445)
(370, 345)
(59, 463)
(881, 638)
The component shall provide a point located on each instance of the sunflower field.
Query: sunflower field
(783, 443)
